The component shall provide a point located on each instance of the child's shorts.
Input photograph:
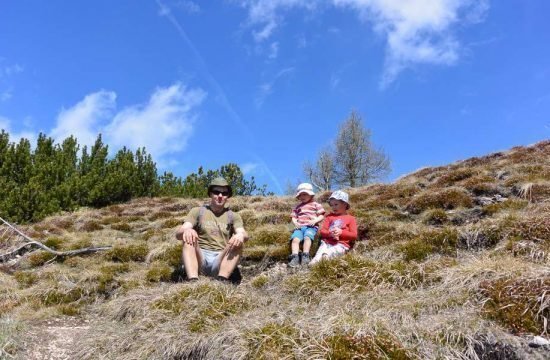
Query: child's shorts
(328, 251)
(304, 231)
(210, 262)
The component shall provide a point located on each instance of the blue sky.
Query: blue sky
(265, 84)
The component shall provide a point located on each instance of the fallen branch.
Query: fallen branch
(38, 245)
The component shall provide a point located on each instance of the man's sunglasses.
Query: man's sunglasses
(218, 192)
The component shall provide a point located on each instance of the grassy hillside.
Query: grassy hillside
(453, 262)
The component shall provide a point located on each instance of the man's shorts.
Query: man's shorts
(304, 231)
(210, 262)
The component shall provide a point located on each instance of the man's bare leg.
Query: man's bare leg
(192, 257)
(230, 260)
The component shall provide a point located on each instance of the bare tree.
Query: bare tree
(357, 162)
(321, 175)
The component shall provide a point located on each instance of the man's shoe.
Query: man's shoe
(294, 260)
(305, 259)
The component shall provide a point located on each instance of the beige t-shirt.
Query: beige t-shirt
(214, 230)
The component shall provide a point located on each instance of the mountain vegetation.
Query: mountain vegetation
(452, 262)
(63, 177)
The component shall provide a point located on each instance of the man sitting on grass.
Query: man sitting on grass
(213, 237)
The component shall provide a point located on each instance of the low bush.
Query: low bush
(25, 278)
(269, 235)
(453, 176)
(273, 341)
(171, 223)
(39, 258)
(54, 242)
(510, 204)
(435, 217)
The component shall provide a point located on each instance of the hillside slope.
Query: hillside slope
(452, 262)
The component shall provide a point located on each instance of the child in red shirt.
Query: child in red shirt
(339, 230)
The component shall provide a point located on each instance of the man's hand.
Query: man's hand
(236, 240)
(190, 237)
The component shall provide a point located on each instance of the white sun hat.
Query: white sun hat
(304, 188)
(340, 195)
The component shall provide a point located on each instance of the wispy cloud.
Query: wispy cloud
(5, 95)
(85, 119)
(189, 7)
(8, 70)
(219, 92)
(16, 136)
(249, 167)
(273, 50)
(266, 88)
(162, 125)
(416, 31)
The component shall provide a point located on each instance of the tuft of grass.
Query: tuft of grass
(25, 278)
(273, 341)
(447, 199)
(160, 215)
(125, 253)
(171, 223)
(259, 281)
(69, 309)
(54, 242)
(517, 304)
(381, 345)
(269, 235)
(453, 176)
(435, 217)
(123, 226)
(91, 226)
(109, 220)
(442, 241)
(159, 272)
(39, 258)
(214, 304)
(510, 204)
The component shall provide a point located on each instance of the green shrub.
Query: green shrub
(79, 244)
(125, 253)
(159, 271)
(517, 304)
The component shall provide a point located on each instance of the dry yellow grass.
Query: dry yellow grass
(435, 275)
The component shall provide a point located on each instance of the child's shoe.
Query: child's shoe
(294, 260)
(305, 259)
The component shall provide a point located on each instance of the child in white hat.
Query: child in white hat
(306, 217)
(339, 230)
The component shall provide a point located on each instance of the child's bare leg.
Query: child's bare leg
(295, 246)
(307, 244)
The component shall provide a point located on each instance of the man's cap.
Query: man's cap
(340, 195)
(219, 181)
(304, 188)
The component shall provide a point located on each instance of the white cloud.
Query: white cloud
(5, 95)
(416, 31)
(15, 137)
(274, 50)
(188, 6)
(85, 119)
(249, 167)
(9, 70)
(162, 125)
(267, 87)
